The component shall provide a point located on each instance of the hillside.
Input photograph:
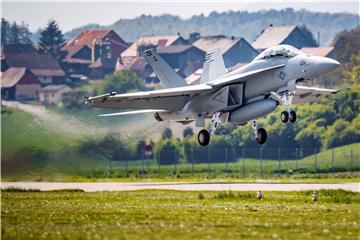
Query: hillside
(232, 23)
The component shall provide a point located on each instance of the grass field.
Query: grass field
(23, 135)
(181, 215)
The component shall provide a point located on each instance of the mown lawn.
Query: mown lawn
(179, 215)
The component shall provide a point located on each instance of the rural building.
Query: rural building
(94, 53)
(234, 50)
(183, 58)
(291, 35)
(53, 94)
(19, 84)
(139, 46)
(194, 78)
(43, 66)
(318, 51)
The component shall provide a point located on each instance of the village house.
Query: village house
(93, 53)
(53, 94)
(43, 66)
(194, 78)
(132, 58)
(185, 59)
(318, 51)
(234, 50)
(136, 49)
(291, 35)
(19, 84)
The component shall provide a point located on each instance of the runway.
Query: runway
(184, 186)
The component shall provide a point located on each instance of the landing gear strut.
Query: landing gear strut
(259, 134)
(218, 118)
(285, 100)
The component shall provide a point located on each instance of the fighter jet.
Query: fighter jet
(280, 75)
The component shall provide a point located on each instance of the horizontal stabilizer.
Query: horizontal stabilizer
(132, 112)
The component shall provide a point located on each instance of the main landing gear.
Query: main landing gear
(285, 100)
(204, 136)
(217, 120)
(259, 134)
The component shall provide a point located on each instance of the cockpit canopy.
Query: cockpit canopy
(279, 51)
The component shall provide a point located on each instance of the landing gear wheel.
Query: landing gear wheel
(284, 117)
(292, 116)
(204, 137)
(262, 136)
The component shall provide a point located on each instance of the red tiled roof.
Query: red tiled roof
(13, 75)
(318, 51)
(272, 36)
(173, 49)
(86, 37)
(39, 64)
(132, 51)
(208, 43)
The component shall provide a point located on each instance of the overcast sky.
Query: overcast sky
(71, 15)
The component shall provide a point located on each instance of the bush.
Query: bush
(188, 132)
(167, 133)
(220, 149)
(168, 151)
(121, 82)
(108, 147)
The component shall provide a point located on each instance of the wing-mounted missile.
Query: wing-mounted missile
(103, 97)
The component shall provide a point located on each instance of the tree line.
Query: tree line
(51, 37)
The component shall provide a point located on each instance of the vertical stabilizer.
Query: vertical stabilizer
(165, 73)
(214, 66)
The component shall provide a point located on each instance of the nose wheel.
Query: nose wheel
(286, 100)
(285, 116)
(292, 116)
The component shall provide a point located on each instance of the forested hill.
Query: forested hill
(231, 23)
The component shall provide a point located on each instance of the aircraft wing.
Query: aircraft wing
(241, 77)
(311, 94)
(165, 99)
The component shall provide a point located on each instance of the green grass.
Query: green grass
(21, 132)
(179, 215)
(20, 129)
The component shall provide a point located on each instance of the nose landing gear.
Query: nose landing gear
(285, 100)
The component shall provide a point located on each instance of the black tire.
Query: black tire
(203, 137)
(292, 116)
(262, 136)
(284, 117)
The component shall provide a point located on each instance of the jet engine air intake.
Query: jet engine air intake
(252, 111)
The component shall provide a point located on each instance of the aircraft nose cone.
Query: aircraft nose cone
(329, 64)
(322, 65)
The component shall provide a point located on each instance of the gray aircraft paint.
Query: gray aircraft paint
(243, 93)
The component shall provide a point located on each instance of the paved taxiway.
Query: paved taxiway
(185, 186)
